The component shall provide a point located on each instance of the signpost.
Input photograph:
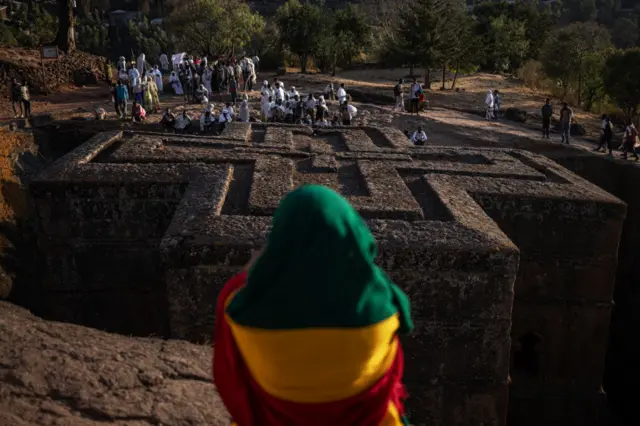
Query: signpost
(47, 53)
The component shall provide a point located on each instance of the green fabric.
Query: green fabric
(318, 270)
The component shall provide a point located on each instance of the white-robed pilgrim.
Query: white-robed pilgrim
(244, 111)
(140, 64)
(134, 77)
(175, 83)
(164, 62)
(157, 76)
(206, 78)
(488, 103)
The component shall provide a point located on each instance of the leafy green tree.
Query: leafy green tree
(580, 10)
(507, 42)
(592, 81)
(564, 55)
(6, 36)
(624, 33)
(214, 27)
(465, 55)
(302, 29)
(621, 80)
(347, 34)
(420, 34)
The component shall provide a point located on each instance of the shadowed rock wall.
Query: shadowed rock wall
(144, 205)
(63, 374)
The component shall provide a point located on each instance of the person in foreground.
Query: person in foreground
(308, 333)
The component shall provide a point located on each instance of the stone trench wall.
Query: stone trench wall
(164, 221)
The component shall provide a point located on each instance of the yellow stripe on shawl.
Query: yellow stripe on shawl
(316, 365)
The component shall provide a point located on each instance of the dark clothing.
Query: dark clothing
(346, 122)
(415, 105)
(27, 108)
(546, 123)
(547, 111)
(606, 138)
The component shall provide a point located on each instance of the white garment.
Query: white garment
(226, 114)
(164, 62)
(122, 64)
(352, 110)
(488, 100)
(204, 121)
(342, 95)
(175, 83)
(280, 93)
(244, 112)
(157, 74)
(310, 104)
(141, 64)
(206, 78)
(134, 77)
(420, 136)
(415, 89)
(182, 122)
(293, 93)
(255, 59)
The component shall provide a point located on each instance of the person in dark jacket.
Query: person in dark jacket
(122, 96)
(607, 134)
(547, 113)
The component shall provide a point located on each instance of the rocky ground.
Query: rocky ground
(62, 374)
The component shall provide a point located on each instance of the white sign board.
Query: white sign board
(50, 52)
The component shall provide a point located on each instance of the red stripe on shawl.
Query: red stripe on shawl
(250, 405)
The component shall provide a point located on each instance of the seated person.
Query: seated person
(226, 115)
(207, 121)
(278, 112)
(100, 114)
(335, 121)
(201, 93)
(278, 367)
(288, 113)
(348, 113)
(183, 122)
(419, 137)
(168, 120)
(137, 112)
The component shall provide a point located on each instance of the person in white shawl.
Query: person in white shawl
(279, 92)
(293, 92)
(134, 76)
(157, 76)
(122, 64)
(266, 90)
(244, 111)
(419, 137)
(488, 105)
(265, 106)
(141, 64)
(342, 94)
(207, 74)
(207, 120)
(164, 62)
(175, 83)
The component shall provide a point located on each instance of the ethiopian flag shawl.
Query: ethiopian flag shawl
(309, 336)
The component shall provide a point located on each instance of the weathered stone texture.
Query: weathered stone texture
(63, 374)
(451, 226)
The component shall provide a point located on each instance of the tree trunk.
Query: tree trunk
(455, 78)
(427, 78)
(303, 63)
(411, 70)
(444, 74)
(66, 37)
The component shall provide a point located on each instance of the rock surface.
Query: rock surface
(62, 374)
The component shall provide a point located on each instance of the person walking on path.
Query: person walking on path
(399, 96)
(630, 140)
(122, 96)
(607, 135)
(25, 98)
(547, 113)
(566, 117)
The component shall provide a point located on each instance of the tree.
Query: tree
(348, 34)
(580, 10)
(464, 57)
(6, 36)
(507, 43)
(621, 80)
(564, 54)
(419, 34)
(214, 27)
(624, 33)
(302, 29)
(66, 37)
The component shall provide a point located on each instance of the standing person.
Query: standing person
(414, 96)
(329, 92)
(265, 106)
(175, 83)
(397, 93)
(602, 127)
(256, 63)
(122, 96)
(489, 103)
(342, 94)
(207, 76)
(419, 137)
(25, 98)
(497, 102)
(244, 110)
(310, 105)
(157, 76)
(607, 135)
(233, 90)
(164, 62)
(547, 113)
(16, 98)
(629, 140)
(566, 116)
(279, 366)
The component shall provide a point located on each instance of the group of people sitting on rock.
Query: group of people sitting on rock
(280, 106)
